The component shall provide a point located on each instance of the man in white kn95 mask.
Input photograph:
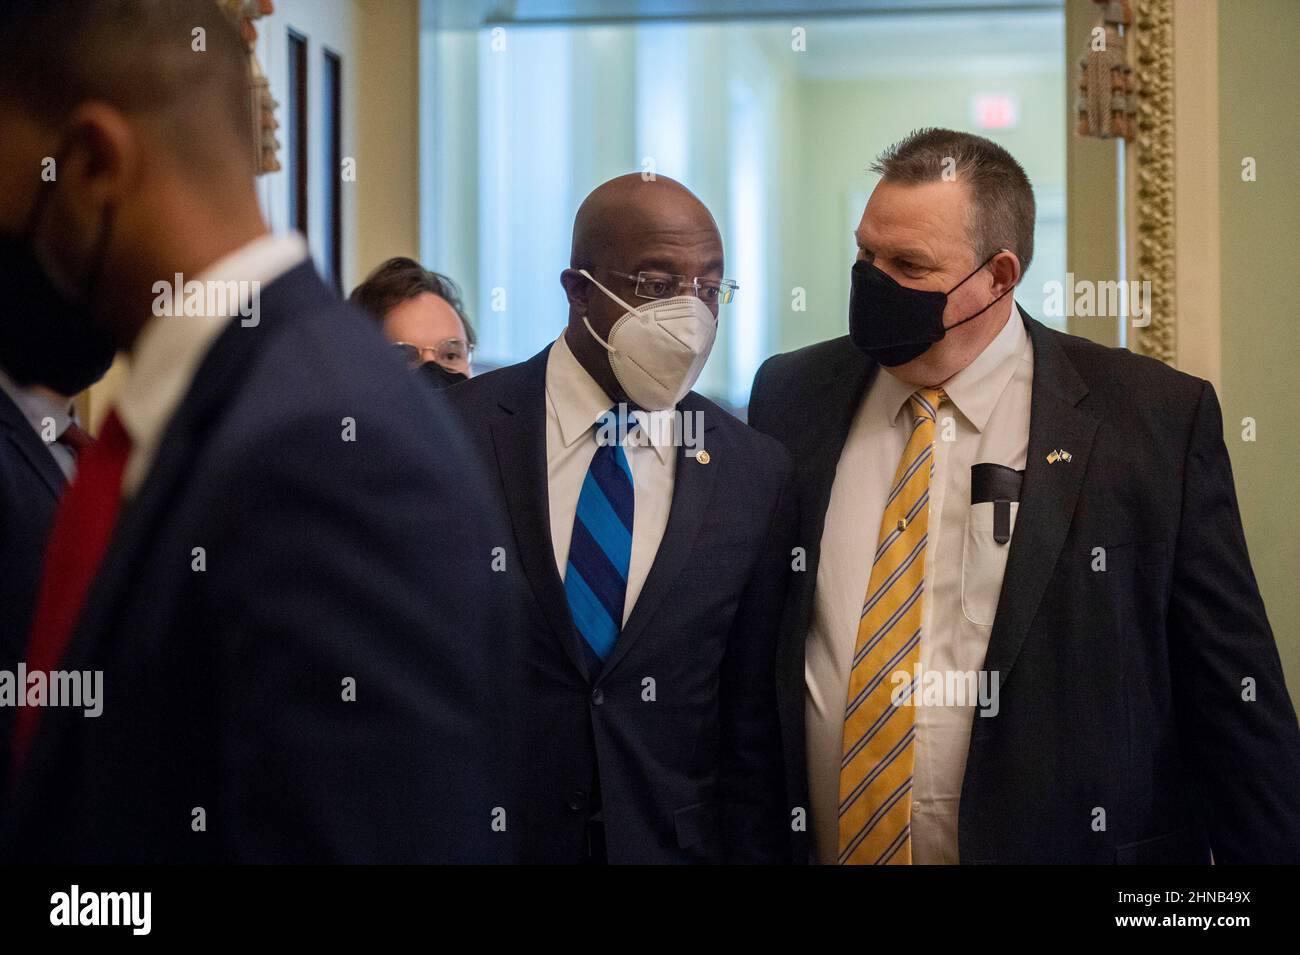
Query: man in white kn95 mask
(653, 531)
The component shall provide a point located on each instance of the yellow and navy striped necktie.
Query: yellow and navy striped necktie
(875, 809)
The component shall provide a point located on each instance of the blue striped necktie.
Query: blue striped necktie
(600, 550)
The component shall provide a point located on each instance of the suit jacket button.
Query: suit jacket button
(578, 800)
(597, 696)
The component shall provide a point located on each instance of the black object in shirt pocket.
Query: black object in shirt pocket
(994, 498)
(1000, 485)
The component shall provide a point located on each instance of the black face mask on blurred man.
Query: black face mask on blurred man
(46, 335)
(440, 377)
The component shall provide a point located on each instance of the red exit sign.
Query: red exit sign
(995, 111)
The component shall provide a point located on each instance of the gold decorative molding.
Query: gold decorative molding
(1154, 211)
(263, 105)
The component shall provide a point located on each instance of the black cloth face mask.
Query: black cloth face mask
(440, 377)
(893, 323)
(46, 335)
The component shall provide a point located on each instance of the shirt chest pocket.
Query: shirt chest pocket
(984, 558)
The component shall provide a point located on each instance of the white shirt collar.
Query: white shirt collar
(169, 349)
(577, 402)
(975, 389)
(36, 406)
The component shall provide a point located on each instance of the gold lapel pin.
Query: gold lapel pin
(1058, 455)
(702, 457)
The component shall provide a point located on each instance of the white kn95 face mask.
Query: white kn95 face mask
(658, 350)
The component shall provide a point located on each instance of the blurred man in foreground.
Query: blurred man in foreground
(261, 558)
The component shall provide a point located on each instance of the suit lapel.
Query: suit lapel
(135, 531)
(837, 393)
(30, 446)
(519, 440)
(844, 387)
(1050, 492)
(215, 385)
(1047, 501)
(692, 490)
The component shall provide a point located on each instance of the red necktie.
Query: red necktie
(75, 439)
(83, 525)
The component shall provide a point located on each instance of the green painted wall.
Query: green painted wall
(1259, 63)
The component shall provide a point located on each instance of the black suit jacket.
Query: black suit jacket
(696, 774)
(1121, 691)
(30, 484)
(321, 690)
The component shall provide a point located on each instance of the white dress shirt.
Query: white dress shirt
(985, 419)
(170, 348)
(574, 402)
(36, 408)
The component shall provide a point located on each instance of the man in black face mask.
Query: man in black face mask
(290, 672)
(986, 500)
(421, 313)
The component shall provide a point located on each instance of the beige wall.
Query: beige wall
(1092, 189)
(378, 41)
(387, 133)
(326, 24)
(1197, 291)
(1260, 285)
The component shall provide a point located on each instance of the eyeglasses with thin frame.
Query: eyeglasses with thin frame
(454, 354)
(656, 285)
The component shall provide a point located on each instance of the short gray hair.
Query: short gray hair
(1002, 200)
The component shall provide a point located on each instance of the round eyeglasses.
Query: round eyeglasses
(454, 354)
(656, 285)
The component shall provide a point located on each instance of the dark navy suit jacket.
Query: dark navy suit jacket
(30, 484)
(324, 690)
(679, 730)
(1121, 691)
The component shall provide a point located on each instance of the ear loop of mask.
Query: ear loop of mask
(948, 328)
(626, 307)
(609, 348)
(95, 267)
(43, 197)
